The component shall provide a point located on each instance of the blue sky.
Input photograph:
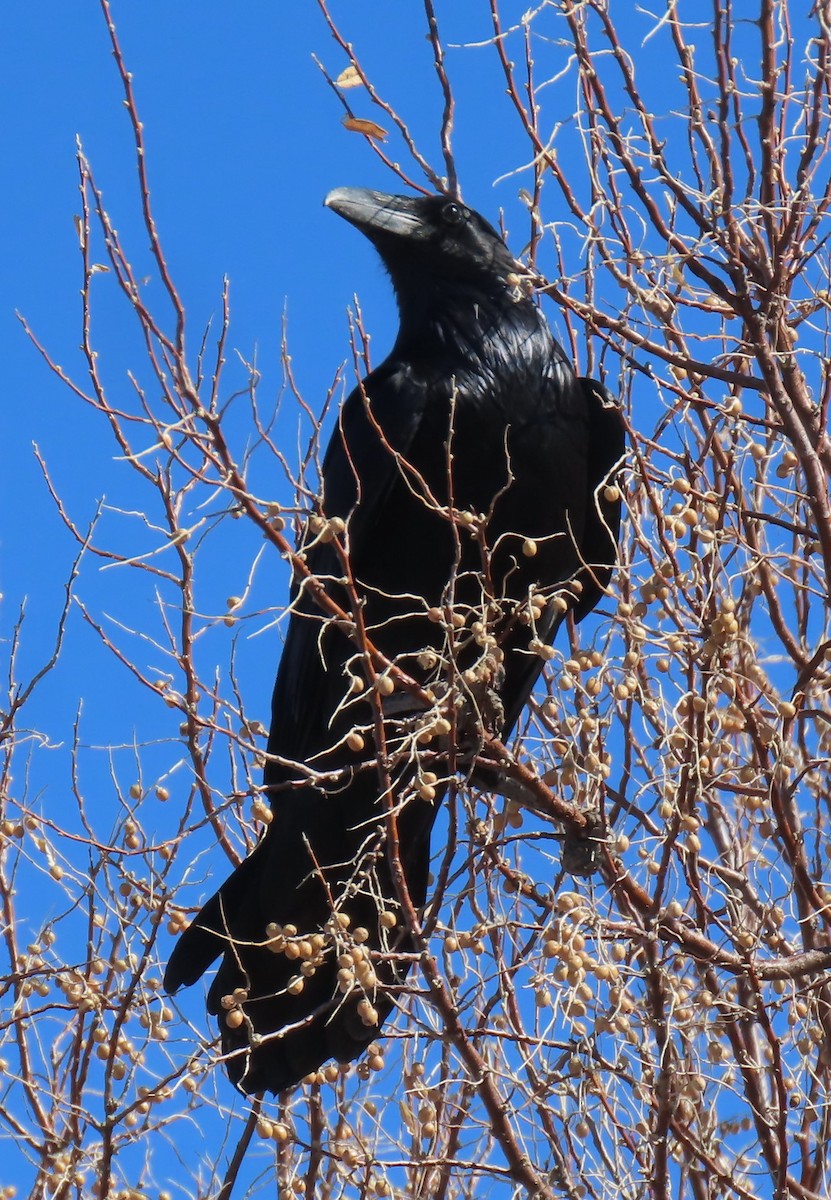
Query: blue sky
(244, 140)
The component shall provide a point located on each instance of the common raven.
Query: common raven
(465, 507)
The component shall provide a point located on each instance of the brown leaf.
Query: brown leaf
(368, 128)
(349, 79)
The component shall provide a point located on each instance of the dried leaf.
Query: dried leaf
(368, 128)
(349, 78)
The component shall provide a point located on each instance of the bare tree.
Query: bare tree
(660, 1027)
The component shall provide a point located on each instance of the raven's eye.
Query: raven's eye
(453, 213)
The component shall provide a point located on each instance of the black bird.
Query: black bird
(465, 507)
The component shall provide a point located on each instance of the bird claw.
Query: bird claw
(581, 846)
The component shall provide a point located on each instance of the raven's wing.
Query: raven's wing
(376, 428)
(603, 448)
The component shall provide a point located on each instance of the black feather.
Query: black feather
(476, 396)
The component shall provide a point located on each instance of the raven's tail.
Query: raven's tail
(313, 941)
(207, 937)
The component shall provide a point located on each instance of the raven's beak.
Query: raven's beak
(376, 213)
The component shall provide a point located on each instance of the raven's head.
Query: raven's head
(431, 238)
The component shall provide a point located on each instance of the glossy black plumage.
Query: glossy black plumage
(477, 398)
